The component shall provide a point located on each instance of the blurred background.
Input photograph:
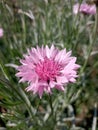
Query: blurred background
(26, 24)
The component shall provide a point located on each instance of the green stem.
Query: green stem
(92, 40)
(24, 30)
(27, 102)
(52, 114)
(50, 101)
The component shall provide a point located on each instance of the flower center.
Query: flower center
(48, 69)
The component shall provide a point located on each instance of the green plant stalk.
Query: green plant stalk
(92, 41)
(4, 71)
(51, 106)
(31, 109)
(52, 114)
(24, 30)
(76, 34)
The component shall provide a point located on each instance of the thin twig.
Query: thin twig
(94, 124)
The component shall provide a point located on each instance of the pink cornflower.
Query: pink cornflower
(84, 8)
(1, 32)
(47, 68)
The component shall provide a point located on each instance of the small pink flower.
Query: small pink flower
(47, 68)
(1, 32)
(84, 8)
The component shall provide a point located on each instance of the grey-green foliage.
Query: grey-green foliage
(43, 22)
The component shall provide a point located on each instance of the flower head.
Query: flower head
(47, 68)
(1, 32)
(84, 8)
